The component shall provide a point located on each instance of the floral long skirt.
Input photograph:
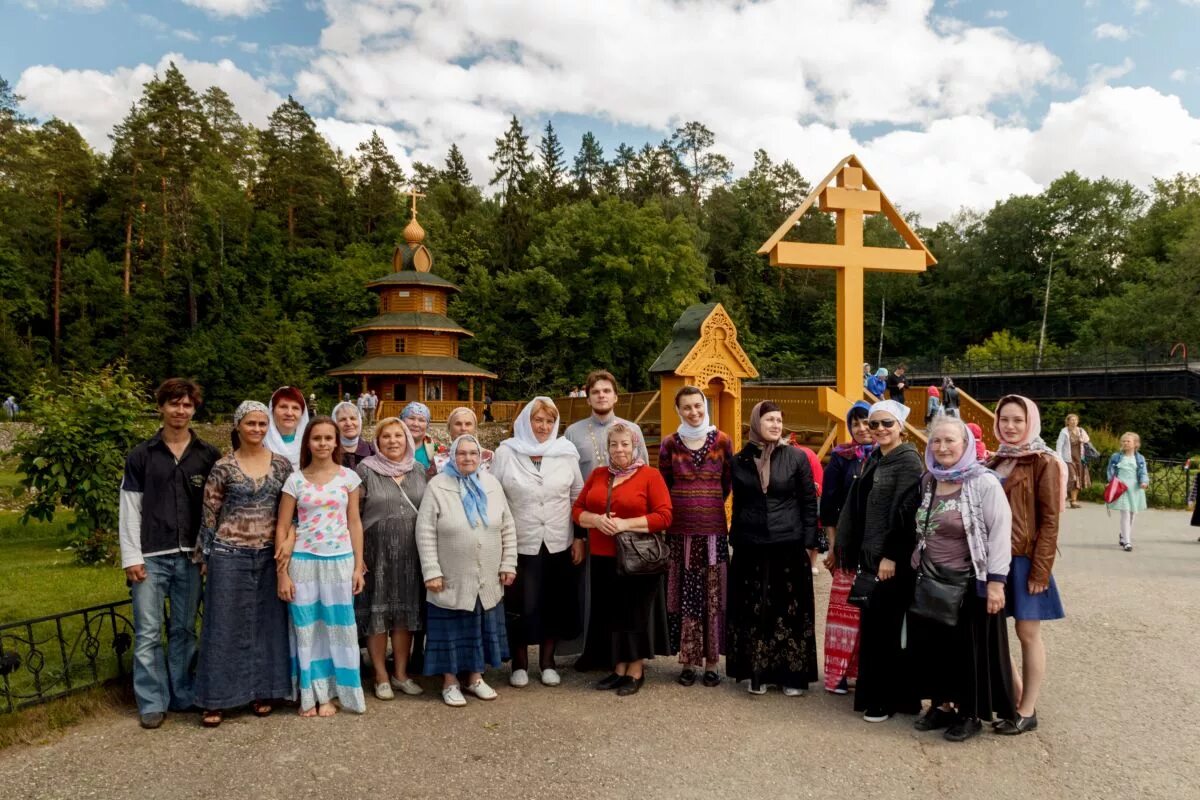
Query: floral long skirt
(696, 597)
(841, 632)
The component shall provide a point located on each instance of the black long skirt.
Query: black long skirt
(621, 617)
(770, 630)
(967, 664)
(885, 672)
(543, 602)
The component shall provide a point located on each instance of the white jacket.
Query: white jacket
(1063, 446)
(540, 499)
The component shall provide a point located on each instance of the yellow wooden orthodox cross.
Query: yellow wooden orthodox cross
(854, 195)
(414, 194)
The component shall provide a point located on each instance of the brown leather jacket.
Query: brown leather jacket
(1034, 490)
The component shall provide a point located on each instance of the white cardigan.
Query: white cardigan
(470, 560)
(1063, 445)
(540, 499)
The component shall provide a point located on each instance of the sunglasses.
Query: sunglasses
(875, 423)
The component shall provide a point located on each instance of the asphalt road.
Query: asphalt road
(1118, 718)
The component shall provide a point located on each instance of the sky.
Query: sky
(948, 103)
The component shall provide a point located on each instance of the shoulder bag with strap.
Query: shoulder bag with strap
(939, 591)
(638, 553)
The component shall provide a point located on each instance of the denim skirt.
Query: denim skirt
(244, 651)
(1023, 605)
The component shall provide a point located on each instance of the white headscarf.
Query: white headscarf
(526, 443)
(897, 410)
(695, 431)
(349, 445)
(274, 441)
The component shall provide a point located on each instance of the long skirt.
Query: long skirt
(394, 593)
(967, 664)
(696, 598)
(244, 653)
(771, 628)
(543, 602)
(327, 662)
(884, 667)
(841, 632)
(464, 641)
(621, 626)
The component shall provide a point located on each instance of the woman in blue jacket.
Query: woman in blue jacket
(1130, 467)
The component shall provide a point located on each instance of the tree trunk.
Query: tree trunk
(162, 267)
(128, 251)
(58, 280)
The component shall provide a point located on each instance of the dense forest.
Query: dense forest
(203, 246)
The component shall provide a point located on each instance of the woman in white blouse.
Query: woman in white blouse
(541, 479)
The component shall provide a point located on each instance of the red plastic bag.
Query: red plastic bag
(1115, 488)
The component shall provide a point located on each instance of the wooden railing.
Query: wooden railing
(502, 410)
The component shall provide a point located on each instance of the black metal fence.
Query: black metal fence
(48, 657)
(1169, 481)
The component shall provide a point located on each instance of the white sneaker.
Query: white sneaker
(408, 686)
(482, 690)
(453, 696)
(384, 692)
(760, 690)
(550, 677)
(792, 691)
(519, 678)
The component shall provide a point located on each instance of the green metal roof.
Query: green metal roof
(684, 336)
(411, 277)
(421, 320)
(411, 365)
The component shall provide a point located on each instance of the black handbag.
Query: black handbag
(1090, 453)
(862, 589)
(639, 553)
(939, 591)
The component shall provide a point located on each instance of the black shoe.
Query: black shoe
(630, 686)
(1010, 727)
(963, 729)
(711, 678)
(935, 719)
(687, 677)
(152, 720)
(605, 684)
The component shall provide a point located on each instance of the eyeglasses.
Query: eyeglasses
(874, 424)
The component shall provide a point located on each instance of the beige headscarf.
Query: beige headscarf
(763, 461)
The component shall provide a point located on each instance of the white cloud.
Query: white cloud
(996, 13)
(348, 135)
(1140, 6)
(48, 5)
(1109, 30)
(232, 8)
(1180, 74)
(95, 101)
(1103, 74)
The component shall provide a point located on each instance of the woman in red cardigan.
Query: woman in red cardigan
(621, 605)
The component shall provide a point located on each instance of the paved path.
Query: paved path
(1118, 719)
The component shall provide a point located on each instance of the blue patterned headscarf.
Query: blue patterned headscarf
(474, 497)
(415, 409)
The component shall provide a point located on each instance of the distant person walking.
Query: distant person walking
(162, 493)
(897, 383)
(933, 404)
(1072, 448)
(949, 397)
(877, 383)
(11, 408)
(1129, 467)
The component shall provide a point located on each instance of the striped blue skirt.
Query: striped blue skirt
(464, 641)
(325, 654)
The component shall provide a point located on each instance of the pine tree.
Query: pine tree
(699, 169)
(513, 162)
(300, 180)
(456, 170)
(551, 167)
(379, 178)
(588, 170)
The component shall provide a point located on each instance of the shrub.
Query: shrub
(84, 426)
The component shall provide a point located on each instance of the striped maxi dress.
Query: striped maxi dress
(325, 654)
(699, 481)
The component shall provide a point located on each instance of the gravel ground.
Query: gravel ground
(1118, 719)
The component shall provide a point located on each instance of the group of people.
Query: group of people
(938, 401)
(314, 542)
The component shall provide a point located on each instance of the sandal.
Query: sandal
(210, 719)
(261, 708)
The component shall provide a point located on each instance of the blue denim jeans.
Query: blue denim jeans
(159, 683)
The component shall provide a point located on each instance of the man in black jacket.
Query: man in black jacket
(161, 496)
(897, 383)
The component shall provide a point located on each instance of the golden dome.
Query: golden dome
(414, 234)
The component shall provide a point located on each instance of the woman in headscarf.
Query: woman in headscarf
(391, 602)
(468, 545)
(625, 495)
(981, 451)
(244, 652)
(771, 639)
(697, 464)
(842, 621)
(1035, 482)
(1070, 448)
(416, 417)
(877, 383)
(875, 538)
(350, 424)
(540, 476)
(463, 422)
(289, 418)
(964, 527)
